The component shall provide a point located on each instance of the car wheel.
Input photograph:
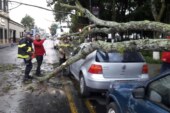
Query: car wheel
(112, 108)
(83, 88)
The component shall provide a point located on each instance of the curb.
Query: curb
(4, 46)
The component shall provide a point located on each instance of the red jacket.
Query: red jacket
(165, 57)
(39, 48)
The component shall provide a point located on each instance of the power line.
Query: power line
(21, 3)
(15, 7)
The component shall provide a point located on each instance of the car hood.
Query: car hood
(124, 88)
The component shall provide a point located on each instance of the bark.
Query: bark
(153, 10)
(137, 45)
(86, 28)
(113, 10)
(158, 16)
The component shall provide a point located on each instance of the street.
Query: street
(59, 95)
(8, 55)
(84, 56)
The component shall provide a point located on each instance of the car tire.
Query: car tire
(112, 108)
(83, 88)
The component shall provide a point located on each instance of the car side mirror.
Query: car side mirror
(154, 96)
(139, 93)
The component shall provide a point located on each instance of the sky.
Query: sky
(43, 18)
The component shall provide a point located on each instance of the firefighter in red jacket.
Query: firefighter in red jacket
(165, 60)
(39, 52)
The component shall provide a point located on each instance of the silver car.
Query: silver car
(99, 69)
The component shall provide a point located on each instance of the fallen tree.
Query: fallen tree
(110, 26)
(133, 25)
(135, 45)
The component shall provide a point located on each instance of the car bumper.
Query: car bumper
(98, 82)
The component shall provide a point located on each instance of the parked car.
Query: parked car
(96, 71)
(152, 96)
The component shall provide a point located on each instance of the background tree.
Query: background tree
(53, 29)
(108, 27)
(28, 22)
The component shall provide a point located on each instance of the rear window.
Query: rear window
(128, 56)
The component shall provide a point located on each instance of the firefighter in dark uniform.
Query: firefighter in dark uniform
(25, 52)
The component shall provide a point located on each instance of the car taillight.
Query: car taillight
(145, 69)
(95, 69)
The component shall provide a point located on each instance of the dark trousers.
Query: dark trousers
(28, 67)
(62, 60)
(39, 62)
(165, 66)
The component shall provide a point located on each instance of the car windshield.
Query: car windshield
(128, 56)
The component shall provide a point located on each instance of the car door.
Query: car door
(157, 98)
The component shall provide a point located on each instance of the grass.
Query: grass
(149, 58)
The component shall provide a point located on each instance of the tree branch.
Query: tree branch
(21, 3)
(153, 10)
(163, 6)
(137, 45)
(86, 28)
(157, 17)
(133, 25)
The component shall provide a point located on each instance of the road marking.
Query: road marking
(89, 106)
(70, 99)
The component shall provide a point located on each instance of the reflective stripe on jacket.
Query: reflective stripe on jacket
(24, 48)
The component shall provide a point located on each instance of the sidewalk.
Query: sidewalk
(7, 45)
(4, 45)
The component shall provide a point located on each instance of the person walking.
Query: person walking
(25, 52)
(39, 52)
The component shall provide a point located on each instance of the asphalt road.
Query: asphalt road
(60, 96)
(8, 55)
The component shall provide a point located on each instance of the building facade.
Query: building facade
(9, 29)
(4, 21)
(63, 28)
(16, 31)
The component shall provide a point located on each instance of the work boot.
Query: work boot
(26, 81)
(38, 74)
(30, 77)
